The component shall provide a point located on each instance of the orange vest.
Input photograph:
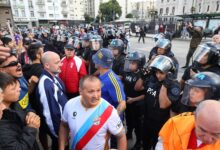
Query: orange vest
(175, 133)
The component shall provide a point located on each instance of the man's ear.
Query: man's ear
(38, 55)
(46, 65)
(80, 91)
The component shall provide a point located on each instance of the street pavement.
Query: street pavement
(179, 47)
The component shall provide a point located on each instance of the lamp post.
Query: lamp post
(113, 11)
(100, 17)
(54, 11)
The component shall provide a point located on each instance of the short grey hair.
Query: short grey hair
(87, 77)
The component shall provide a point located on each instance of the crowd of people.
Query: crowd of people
(84, 88)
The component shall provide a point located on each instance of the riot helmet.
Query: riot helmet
(163, 43)
(76, 34)
(202, 86)
(76, 43)
(117, 44)
(96, 42)
(158, 36)
(207, 54)
(163, 63)
(134, 57)
(85, 40)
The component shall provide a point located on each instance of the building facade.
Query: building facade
(143, 10)
(5, 13)
(43, 12)
(169, 10)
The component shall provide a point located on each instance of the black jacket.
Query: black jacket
(15, 135)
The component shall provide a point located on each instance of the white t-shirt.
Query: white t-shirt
(79, 121)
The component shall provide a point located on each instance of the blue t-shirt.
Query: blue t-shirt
(112, 88)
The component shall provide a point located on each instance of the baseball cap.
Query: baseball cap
(36, 45)
(69, 46)
(104, 58)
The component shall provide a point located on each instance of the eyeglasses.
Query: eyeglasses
(11, 64)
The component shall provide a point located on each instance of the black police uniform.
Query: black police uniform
(85, 54)
(134, 111)
(179, 107)
(154, 116)
(186, 74)
(118, 64)
(92, 68)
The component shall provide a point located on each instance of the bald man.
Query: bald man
(216, 38)
(187, 131)
(51, 96)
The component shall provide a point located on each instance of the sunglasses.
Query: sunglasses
(11, 64)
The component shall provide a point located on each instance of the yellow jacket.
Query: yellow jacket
(176, 132)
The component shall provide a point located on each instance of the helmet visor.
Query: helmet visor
(95, 45)
(162, 63)
(76, 43)
(201, 54)
(163, 43)
(193, 95)
(130, 65)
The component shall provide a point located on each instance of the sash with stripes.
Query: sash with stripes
(92, 125)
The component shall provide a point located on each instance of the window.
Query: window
(161, 1)
(7, 11)
(23, 13)
(65, 16)
(30, 4)
(161, 11)
(217, 6)
(41, 14)
(16, 13)
(200, 7)
(183, 9)
(167, 10)
(51, 15)
(208, 8)
(173, 10)
(32, 14)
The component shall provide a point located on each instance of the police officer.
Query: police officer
(117, 47)
(77, 44)
(108, 37)
(161, 92)
(203, 85)
(163, 47)
(205, 58)
(135, 104)
(85, 46)
(95, 45)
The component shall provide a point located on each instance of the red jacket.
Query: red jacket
(72, 70)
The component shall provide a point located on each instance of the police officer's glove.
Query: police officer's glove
(169, 79)
(145, 72)
(195, 67)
